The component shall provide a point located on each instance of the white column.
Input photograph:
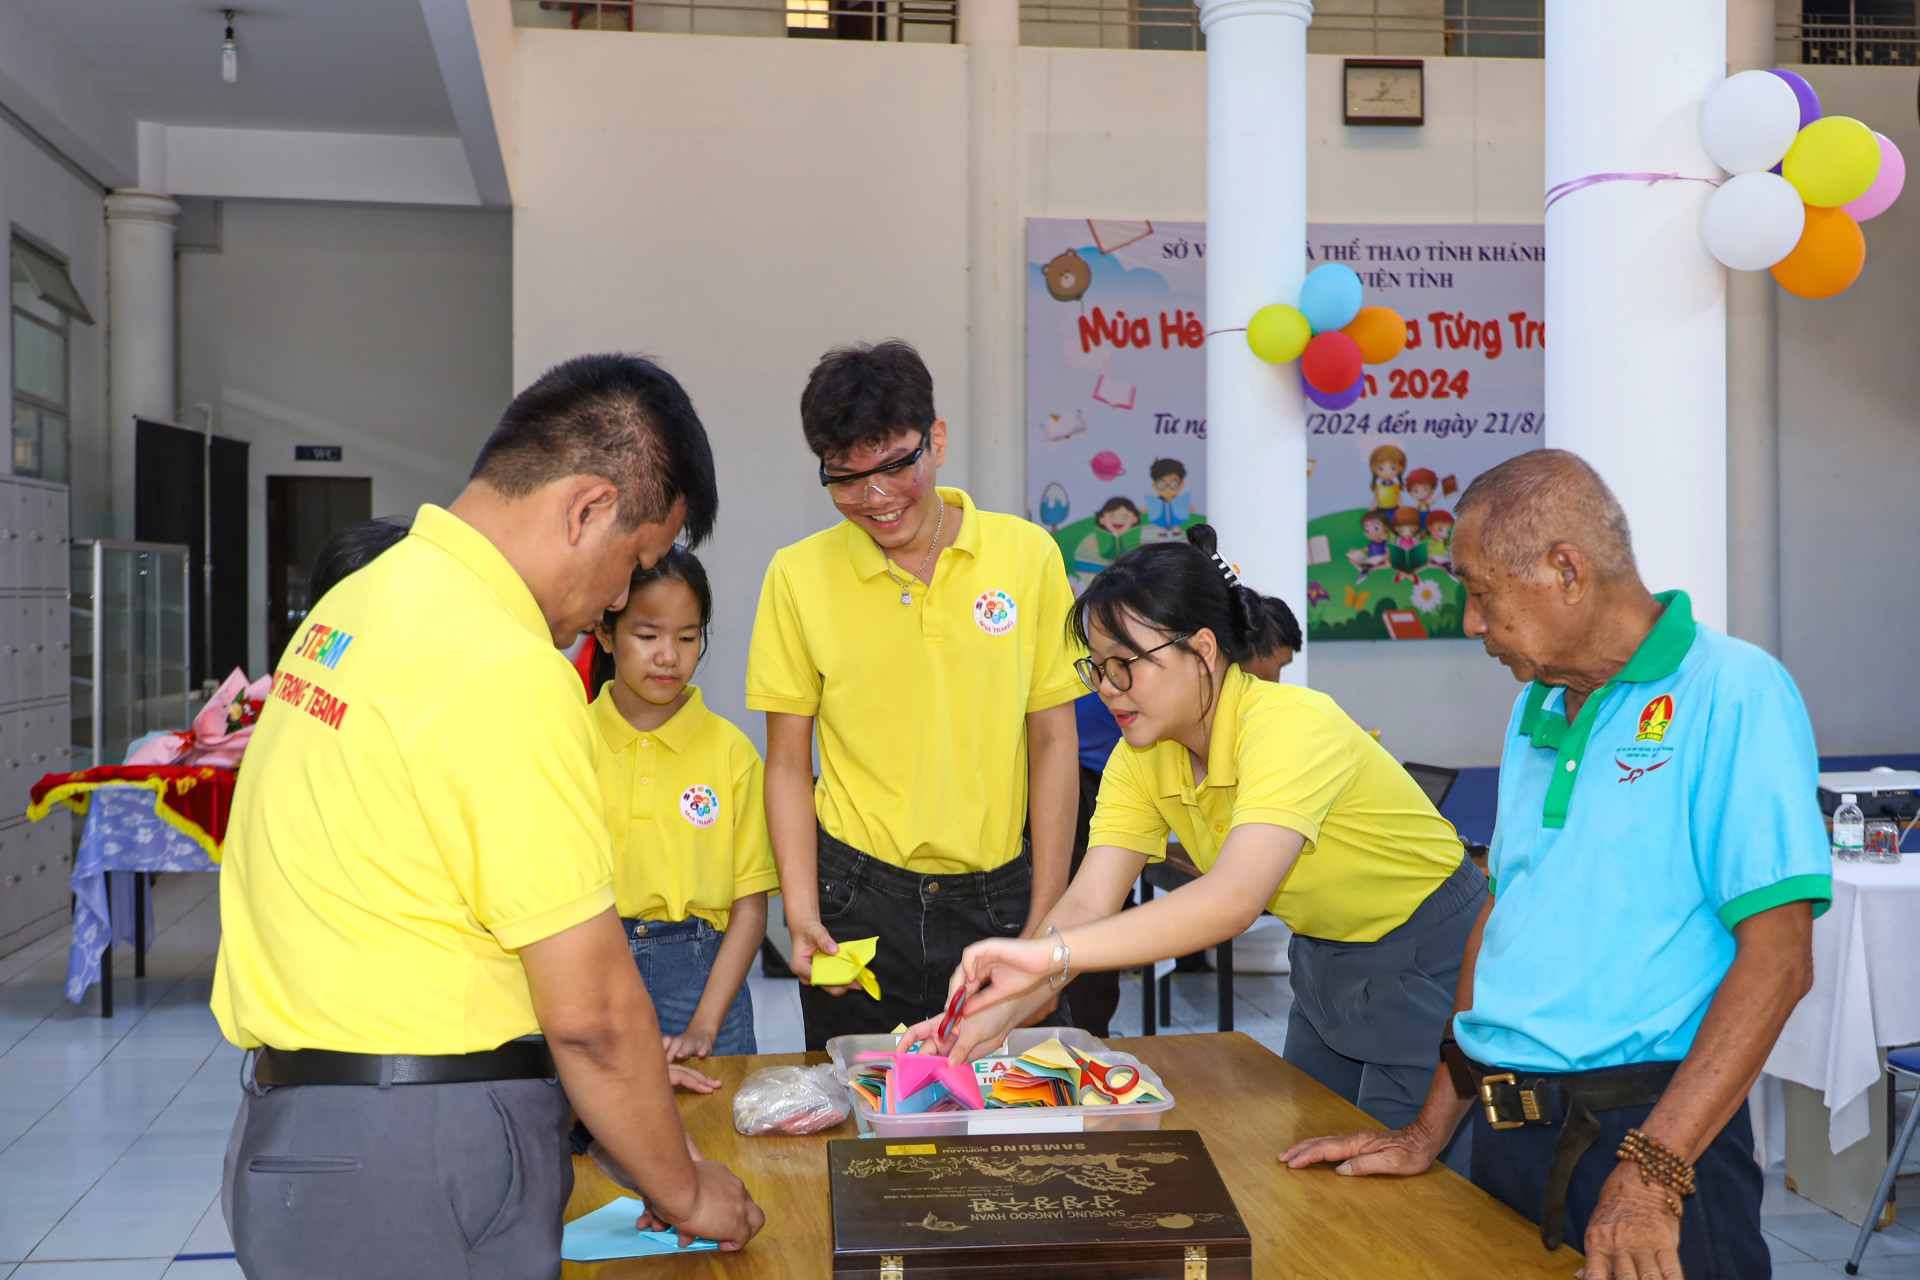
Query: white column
(1256, 255)
(140, 348)
(996, 258)
(1753, 421)
(1636, 308)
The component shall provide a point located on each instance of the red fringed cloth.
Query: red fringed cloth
(194, 800)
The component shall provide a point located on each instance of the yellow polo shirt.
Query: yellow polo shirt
(418, 802)
(1289, 757)
(920, 709)
(687, 811)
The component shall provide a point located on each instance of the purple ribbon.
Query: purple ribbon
(1572, 185)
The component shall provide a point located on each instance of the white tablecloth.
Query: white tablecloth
(1866, 993)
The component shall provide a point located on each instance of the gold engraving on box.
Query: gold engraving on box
(932, 1223)
(891, 1267)
(1094, 1172)
(1171, 1221)
(1196, 1262)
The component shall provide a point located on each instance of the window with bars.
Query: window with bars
(45, 304)
(1860, 33)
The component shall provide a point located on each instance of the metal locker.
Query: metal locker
(16, 778)
(10, 649)
(11, 493)
(56, 662)
(13, 876)
(55, 572)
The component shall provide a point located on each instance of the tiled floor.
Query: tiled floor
(112, 1130)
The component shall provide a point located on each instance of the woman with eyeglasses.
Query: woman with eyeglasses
(1284, 803)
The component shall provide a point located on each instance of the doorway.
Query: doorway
(302, 513)
(171, 468)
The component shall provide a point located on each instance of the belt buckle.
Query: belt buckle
(1493, 1108)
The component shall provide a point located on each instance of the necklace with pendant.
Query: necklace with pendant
(906, 589)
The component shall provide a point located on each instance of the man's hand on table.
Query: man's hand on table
(722, 1209)
(1394, 1152)
(1633, 1233)
(685, 1077)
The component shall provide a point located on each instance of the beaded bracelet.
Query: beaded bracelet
(1659, 1164)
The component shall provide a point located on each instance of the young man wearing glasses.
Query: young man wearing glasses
(926, 642)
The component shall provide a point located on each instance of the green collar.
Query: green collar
(1658, 657)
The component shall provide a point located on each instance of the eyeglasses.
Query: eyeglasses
(1118, 671)
(850, 488)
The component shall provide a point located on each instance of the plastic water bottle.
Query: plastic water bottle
(1849, 830)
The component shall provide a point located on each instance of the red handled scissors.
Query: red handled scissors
(955, 1003)
(1115, 1082)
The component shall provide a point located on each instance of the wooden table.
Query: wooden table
(1247, 1103)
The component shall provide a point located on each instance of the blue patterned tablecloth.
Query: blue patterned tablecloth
(122, 833)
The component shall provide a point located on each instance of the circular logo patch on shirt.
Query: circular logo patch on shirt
(995, 612)
(699, 805)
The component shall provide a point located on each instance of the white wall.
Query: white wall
(49, 202)
(382, 329)
(735, 207)
(1850, 460)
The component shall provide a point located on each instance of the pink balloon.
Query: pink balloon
(1886, 188)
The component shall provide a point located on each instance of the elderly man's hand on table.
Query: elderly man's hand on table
(1394, 1152)
(1634, 1233)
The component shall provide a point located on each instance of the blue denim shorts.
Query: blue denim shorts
(675, 959)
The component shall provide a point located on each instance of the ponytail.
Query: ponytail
(1178, 588)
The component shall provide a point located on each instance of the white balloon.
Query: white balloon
(1750, 121)
(1753, 221)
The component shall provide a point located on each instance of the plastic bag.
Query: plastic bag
(790, 1100)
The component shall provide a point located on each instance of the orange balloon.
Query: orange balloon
(1381, 333)
(1827, 259)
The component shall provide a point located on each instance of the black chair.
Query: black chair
(1436, 781)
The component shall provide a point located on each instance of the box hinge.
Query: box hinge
(1196, 1262)
(892, 1267)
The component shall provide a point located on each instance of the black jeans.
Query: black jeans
(1091, 999)
(923, 923)
(1720, 1230)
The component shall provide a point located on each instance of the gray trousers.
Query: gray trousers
(1368, 1016)
(426, 1181)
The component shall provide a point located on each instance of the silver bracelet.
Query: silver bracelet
(1062, 953)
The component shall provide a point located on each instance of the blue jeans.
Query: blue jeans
(1720, 1231)
(675, 960)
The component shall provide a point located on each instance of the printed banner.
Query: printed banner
(1116, 404)
(1468, 393)
(1116, 384)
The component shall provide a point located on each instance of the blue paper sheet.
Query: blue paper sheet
(608, 1232)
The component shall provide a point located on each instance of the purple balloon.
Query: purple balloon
(1339, 399)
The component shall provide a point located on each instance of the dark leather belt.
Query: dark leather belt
(1525, 1099)
(515, 1060)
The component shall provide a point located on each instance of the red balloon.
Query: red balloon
(1331, 362)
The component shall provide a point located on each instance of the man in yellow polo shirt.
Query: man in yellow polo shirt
(927, 640)
(418, 878)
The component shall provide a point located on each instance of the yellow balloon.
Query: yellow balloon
(1833, 161)
(1280, 333)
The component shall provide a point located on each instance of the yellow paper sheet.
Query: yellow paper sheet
(848, 966)
(1052, 1054)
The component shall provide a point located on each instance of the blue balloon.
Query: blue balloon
(1330, 298)
(1339, 399)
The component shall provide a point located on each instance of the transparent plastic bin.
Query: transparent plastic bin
(954, 1124)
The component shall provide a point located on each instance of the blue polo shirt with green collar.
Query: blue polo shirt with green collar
(1680, 801)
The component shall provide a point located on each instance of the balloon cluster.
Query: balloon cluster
(1802, 183)
(1330, 333)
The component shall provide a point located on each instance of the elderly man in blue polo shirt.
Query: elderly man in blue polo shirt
(1657, 866)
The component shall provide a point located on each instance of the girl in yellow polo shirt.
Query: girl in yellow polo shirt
(683, 794)
(1284, 803)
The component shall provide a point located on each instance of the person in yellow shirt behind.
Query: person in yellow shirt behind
(1284, 803)
(418, 941)
(691, 863)
(925, 640)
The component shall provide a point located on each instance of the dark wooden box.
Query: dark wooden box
(1144, 1205)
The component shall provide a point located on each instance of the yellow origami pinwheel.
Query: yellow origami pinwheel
(848, 966)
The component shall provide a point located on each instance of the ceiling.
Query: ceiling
(327, 66)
